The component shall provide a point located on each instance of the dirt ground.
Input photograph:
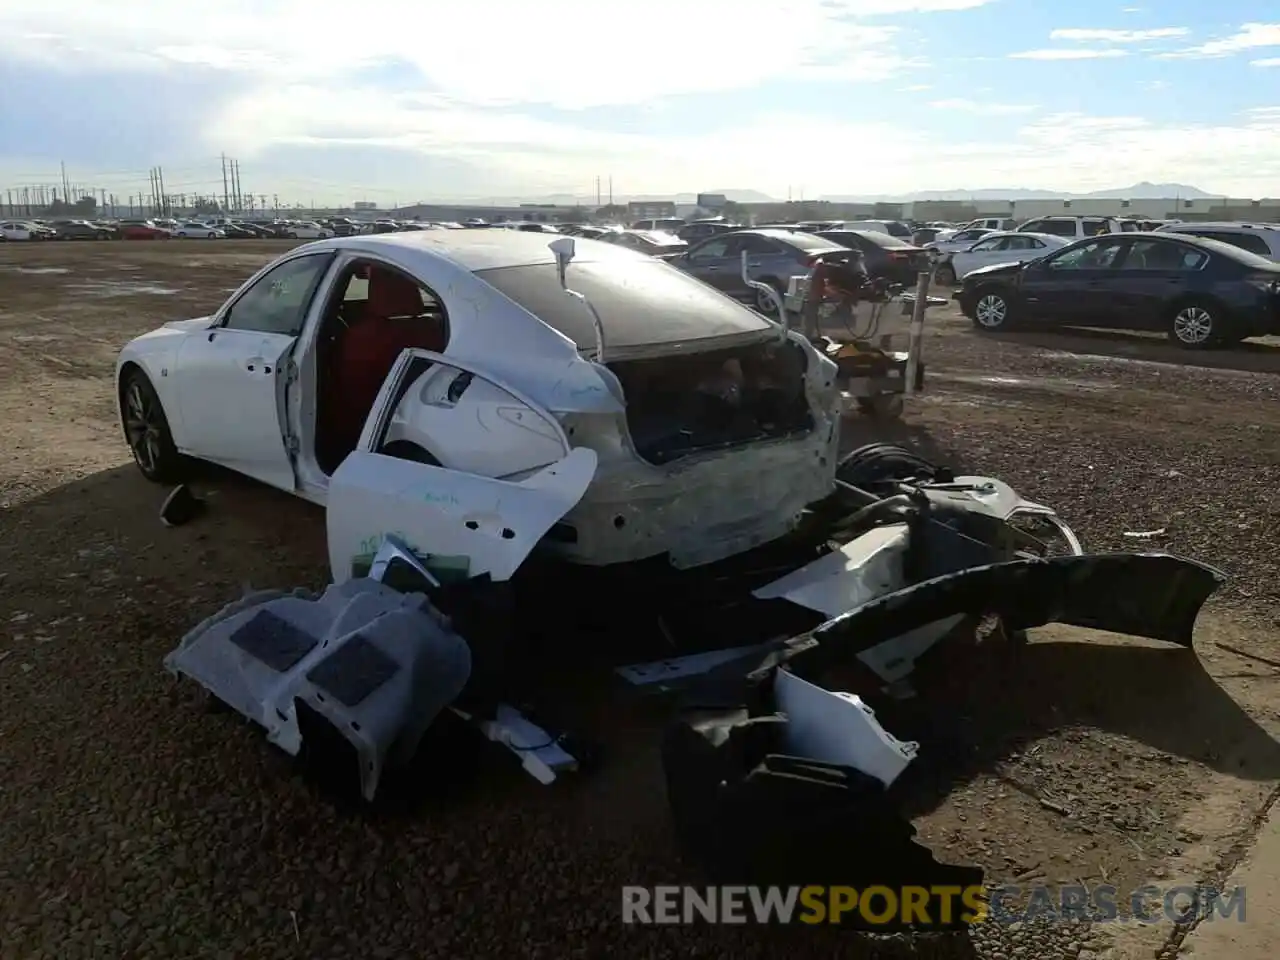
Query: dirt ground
(136, 823)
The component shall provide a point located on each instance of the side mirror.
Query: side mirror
(563, 248)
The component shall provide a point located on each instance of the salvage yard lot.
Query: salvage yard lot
(135, 823)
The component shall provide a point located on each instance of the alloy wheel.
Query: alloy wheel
(991, 311)
(1193, 325)
(765, 304)
(142, 426)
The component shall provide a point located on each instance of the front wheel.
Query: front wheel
(211, 236)
(992, 311)
(1195, 326)
(103, 235)
(146, 430)
(293, 235)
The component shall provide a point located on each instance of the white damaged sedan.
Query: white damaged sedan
(475, 394)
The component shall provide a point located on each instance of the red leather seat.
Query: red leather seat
(392, 322)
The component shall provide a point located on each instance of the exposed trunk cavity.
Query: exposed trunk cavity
(704, 401)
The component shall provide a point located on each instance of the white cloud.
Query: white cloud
(1119, 36)
(1250, 36)
(1068, 53)
(294, 60)
(978, 106)
(521, 154)
(1267, 62)
(480, 51)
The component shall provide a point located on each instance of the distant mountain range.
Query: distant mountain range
(1139, 191)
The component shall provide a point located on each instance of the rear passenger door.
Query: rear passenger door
(1151, 274)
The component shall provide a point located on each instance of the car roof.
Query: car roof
(776, 233)
(474, 250)
(1219, 226)
(657, 236)
(998, 234)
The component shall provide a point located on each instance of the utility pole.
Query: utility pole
(611, 189)
(225, 198)
(597, 191)
(239, 189)
(164, 201)
(152, 179)
(66, 188)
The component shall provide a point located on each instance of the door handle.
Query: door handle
(254, 363)
(753, 263)
(711, 269)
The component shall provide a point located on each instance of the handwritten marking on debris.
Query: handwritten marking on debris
(441, 498)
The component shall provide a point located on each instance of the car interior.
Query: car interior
(374, 314)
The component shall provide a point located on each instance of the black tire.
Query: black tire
(876, 464)
(103, 235)
(293, 235)
(992, 310)
(146, 430)
(1196, 325)
(945, 274)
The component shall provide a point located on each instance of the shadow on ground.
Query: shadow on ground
(95, 551)
(1250, 356)
(984, 704)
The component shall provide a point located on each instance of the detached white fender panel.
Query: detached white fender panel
(866, 567)
(454, 521)
(839, 728)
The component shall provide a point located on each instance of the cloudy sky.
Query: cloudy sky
(397, 100)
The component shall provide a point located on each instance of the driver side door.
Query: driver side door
(984, 253)
(1072, 286)
(231, 379)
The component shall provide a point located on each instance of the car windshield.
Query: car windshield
(641, 302)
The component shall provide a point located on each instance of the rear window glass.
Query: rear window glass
(808, 242)
(1245, 241)
(640, 302)
(897, 229)
(1095, 226)
(870, 236)
(1237, 254)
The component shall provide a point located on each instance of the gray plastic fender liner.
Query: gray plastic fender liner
(377, 664)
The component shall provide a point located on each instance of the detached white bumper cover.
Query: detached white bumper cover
(377, 664)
